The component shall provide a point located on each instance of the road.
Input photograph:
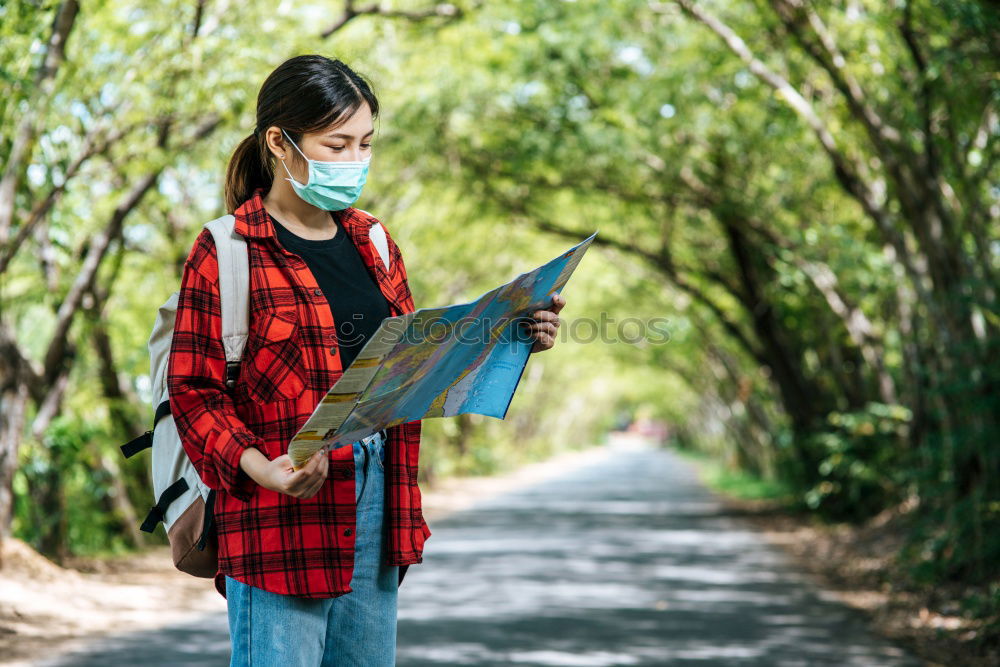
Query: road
(628, 560)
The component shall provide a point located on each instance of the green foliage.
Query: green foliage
(63, 504)
(861, 462)
(828, 297)
(738, 483)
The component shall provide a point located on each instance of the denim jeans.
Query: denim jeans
(358, 629)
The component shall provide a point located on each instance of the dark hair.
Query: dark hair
(303, 94)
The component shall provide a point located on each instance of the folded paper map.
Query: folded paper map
(437, 362)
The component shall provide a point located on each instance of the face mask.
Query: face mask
(332, 186)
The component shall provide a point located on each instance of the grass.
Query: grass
(739, 484)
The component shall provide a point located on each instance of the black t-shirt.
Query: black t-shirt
(357, 304)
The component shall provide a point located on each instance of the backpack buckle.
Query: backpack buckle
(232, 372)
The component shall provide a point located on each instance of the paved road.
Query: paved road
(628, 561)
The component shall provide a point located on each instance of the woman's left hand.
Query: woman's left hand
(543, 329)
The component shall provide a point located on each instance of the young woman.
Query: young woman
(310, 560)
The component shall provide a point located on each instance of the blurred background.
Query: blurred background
(795, 279)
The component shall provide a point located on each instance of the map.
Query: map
(437, 362)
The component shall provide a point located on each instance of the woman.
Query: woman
(310, 560)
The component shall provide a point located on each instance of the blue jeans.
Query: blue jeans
(274, 630)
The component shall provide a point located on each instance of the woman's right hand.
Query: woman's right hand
(280, 475)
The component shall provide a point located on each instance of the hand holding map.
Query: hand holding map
(437, 362)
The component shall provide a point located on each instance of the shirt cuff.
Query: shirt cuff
(226, 455)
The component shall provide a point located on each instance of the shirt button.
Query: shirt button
(333, 351)
(318, 292)
(347, 473)
(347, 532)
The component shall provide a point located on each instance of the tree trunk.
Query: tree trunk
(13, 404)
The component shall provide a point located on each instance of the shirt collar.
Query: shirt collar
(252, 219)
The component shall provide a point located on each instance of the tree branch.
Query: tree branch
(99, 246)
(24, 133)
(664, 264)
(444, 10)
(91, 147)
(845, 171)
(825, 51)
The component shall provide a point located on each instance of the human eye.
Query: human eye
(366, 146)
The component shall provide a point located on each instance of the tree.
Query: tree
(819, 189)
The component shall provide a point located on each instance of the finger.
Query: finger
(309, 461)
(314, 461)
(315, 488)
(543, 328)
(542, 343)
(307, 491)
(310, 464)
(558, 301)
(293, 486)
(313, 472)
(545, 316)
(306, 486)
(318, 471)
(546, 330)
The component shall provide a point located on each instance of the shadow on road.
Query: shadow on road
(626, 561)
(630, 561)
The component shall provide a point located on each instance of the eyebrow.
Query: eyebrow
(340, 135)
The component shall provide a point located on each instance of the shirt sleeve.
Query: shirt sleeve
(212, 434)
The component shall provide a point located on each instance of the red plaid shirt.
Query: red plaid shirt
(268, 539)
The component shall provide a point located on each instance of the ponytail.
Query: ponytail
(248, 169)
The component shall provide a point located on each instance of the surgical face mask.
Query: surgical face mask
(332, 186)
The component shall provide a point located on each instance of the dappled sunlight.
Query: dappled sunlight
(793, 218)
(626, 561)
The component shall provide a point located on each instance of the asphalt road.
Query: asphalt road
(628, 561)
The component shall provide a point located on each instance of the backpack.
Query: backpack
(184, 503)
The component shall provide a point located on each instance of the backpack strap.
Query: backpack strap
(234, 290)
(159, 510)
(144, 441)
(377, 236)
(234, 284)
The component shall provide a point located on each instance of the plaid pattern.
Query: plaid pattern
(271, 540)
